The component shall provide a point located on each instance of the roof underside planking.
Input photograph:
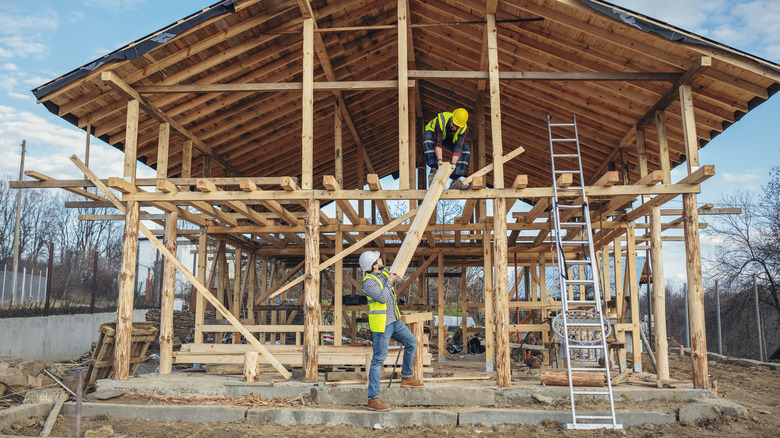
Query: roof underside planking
(259, 133)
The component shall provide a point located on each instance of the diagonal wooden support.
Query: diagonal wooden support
(487, 169)
(203, 290)
(340, 256)
(417, 228)
(381, 204)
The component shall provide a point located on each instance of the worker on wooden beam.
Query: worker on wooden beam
(384, 319)
(448, 129)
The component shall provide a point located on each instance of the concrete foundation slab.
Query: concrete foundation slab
(430, 395)
(17, 413)
(357, 417)
(530, 416)
(190, 413)
(629, 393)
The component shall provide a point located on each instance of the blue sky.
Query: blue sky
(41, 40)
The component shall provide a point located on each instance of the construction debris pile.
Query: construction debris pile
(183, 323)
(33, 381)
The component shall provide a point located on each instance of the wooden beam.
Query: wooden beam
(131, 139)
(420, 270)
(547, 76)
(689, 129)
(311, 292)
(420, 221)
(403, 98)
(186, 159)
(659, 295)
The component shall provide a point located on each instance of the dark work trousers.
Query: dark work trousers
(432, 162)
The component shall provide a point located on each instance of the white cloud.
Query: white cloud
(8, 66)
(690, 15)
(49, 147)
(15, 23)
(17, 46)
(752, 175)
(20, 95)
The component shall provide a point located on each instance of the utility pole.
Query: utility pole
(16, 228)
(758, 321)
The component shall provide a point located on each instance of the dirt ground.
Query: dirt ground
(756, 389)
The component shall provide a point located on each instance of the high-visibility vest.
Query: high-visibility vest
(377, 311)
(443, 119)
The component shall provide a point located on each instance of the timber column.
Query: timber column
(503, 375)
(124, 305)
(311, 291)
(693, 248)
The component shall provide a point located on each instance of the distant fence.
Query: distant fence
(30, 287)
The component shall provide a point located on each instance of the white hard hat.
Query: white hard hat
(367, 260)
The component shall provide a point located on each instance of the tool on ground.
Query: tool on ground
(583, 328)
(394, 365)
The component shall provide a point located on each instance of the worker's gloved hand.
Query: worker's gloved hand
(440, 163)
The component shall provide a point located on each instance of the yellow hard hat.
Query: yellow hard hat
(459, 117)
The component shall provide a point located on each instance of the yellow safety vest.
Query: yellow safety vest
(377, 312)
(444, 119)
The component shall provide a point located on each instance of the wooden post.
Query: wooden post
(237, 291)
(251, 366)
(124, 307)
(663, 145)
(422, 346)
(200, 302)
(307, 133)
(338, 287)
(693, 249)
(442, 328)
(481, 149)
(311, 291)
(503, 376)
(487, 256)
(464, 314)
(403, 98)
(168, 295)
(186, 159)
(659, 295)
(633, 288)
(162, 150)
(131, 140)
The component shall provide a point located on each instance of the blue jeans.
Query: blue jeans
(401, 333)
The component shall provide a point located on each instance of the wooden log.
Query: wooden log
(487, 248)
(424, 212)
(659, 295)
(578, 378)
(124, 310)
(166, 303)
(695, 293)
(311, 291)
(251, 366)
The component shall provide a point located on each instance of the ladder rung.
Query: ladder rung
(586, 347)
(574, 242)
(561, 124)
(563, 139)
(573, 224)
(593, 426)
(569, 206)
(594, 417)
(565, 155)
(581, 302)
(567, 171)
(587, 369)
(578, 262)
(585, 281)
(583, 324)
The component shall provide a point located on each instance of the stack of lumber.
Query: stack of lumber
(290, 355)
(183, 323)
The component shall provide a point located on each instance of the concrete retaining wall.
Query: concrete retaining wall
(53, 338)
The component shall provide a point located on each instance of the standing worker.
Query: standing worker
(448, 129)
(384, 319)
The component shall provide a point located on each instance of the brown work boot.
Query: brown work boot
(411, 382)
(458, 185)
(375, 404)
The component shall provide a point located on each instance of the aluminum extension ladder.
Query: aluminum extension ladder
(584, 326)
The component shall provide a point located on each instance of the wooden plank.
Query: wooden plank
(186, 159)
(268, 87)
(417, 228)
(547, 75)
(403, 97)
(131, 140)
(579, 378)
(689, 128)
